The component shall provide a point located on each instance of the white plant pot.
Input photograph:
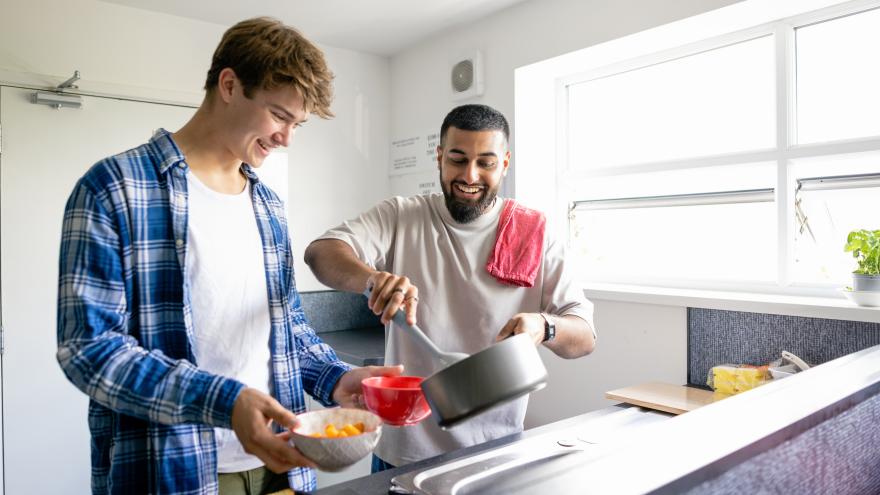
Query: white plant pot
(869, 283)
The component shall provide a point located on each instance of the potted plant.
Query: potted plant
(865, 247)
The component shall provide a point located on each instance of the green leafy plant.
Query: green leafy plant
(865, 247)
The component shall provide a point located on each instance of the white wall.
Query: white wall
(337, 167)
(636, 342)
(117, 49)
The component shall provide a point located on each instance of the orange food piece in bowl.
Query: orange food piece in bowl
(347, 430)
(330, 431)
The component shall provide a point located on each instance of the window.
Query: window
(736, 162)
(827, 208)
(678, 234)
(718, 101)
(838, 76)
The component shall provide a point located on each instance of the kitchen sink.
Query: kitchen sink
(512, 468)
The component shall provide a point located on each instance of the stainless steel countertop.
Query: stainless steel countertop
(614, 455)
(604, 421)
(513, 468)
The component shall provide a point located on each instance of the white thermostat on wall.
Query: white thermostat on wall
(466, 76)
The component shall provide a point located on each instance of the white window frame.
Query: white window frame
(785, 151)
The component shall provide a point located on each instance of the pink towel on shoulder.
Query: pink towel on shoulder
(519, 245)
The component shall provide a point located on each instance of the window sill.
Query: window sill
(812, 307)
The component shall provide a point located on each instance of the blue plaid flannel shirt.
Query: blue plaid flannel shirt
(125, 326)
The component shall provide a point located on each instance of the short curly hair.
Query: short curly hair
(267, 54)
(475, 117)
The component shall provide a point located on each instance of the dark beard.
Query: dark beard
(463, 212)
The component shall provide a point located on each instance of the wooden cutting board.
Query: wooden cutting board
(675, 399)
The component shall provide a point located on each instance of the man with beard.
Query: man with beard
(436, 247)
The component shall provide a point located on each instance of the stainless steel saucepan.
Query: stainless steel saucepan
(468, 385)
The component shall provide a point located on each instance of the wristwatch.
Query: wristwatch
(549, 328)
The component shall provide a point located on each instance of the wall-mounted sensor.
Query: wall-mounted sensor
(466, 77)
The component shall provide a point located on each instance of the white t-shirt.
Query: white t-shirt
(461, 307)
(230, 302)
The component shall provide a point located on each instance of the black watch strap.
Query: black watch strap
(549, 328)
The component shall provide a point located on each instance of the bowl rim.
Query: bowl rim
(371, 382)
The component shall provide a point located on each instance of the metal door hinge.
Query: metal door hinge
(2, 339)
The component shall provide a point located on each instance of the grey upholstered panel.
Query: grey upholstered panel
(839, 456)
(717, 337)
(330, 310)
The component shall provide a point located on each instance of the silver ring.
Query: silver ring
(402, 291)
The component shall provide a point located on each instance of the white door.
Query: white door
(44, 151)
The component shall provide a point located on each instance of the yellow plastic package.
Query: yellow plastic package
(732, 379)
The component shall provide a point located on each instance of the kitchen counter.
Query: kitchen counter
(359, 346)
(610, 419)
(816, 431)
(343, 320)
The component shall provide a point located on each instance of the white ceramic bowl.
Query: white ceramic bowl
(862, 297)
(334, 454)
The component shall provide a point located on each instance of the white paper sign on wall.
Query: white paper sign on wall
(415, 153)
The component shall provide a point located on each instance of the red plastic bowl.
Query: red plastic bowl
(398, 400)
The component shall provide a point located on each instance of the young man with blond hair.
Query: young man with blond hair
(178, 312)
